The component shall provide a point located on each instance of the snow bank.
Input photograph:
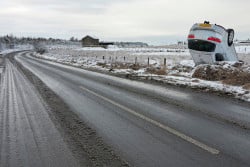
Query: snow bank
(169, 65)
(238, 91)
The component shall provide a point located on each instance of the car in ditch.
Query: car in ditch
(211, 43)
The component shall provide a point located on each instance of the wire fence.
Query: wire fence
(130, 57)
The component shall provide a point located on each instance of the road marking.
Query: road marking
(169, 129)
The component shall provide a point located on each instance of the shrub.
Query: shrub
(39, 47)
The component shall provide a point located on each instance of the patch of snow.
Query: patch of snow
(7, 51)
(16, 49)
(188, 63)
(91, 49)
(179, 64)
(237, 91)
(152, 61)
(243, 49)
(140, 71)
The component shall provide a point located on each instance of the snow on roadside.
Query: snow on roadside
(146, 63)
(237, 91)
(188, 63)
(7, 51)
(16, 49)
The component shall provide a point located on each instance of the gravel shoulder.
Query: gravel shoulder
(82, 140)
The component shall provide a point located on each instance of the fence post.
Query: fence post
(148, 61)
(165, 61)
(124, 58)
(135, 60)
(103, 57)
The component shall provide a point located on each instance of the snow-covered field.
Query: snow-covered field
(245, 49)
(172, 65)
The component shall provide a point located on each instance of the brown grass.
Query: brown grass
(181, 68)
(135, 66)
(195, 81)
(232, 76)
(122, 66)
(242, 78)
(247, 86)
(157, 71)
(103, 65)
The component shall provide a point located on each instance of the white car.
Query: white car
(210, 43)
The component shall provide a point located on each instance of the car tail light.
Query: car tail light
(191, 36)
(214, 39)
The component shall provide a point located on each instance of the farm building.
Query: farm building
(89, 41)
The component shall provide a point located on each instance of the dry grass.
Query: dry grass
(135, 67)
(195, 81)
(247, 86)
(231, 76)
(103, 65)
(214, 73)
(122, 66)
(157, 71)
(181, 68)
(241, 79)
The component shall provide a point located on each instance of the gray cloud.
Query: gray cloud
(118, 19)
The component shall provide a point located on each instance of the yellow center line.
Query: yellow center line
(158, 124)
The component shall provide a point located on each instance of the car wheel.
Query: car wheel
(230, 37)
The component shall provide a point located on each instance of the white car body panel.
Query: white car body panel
(201, 33)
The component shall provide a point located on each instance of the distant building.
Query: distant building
(89, 41)
(131, 44)
(244, 41)
(106, 44)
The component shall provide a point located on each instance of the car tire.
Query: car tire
(230, 37)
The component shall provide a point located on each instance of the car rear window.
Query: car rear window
(201, 45)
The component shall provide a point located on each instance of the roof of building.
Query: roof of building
(88, 36)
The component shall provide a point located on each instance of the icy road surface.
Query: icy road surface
(27, 135)
(148, 125)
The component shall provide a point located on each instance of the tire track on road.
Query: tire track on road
(28, 136)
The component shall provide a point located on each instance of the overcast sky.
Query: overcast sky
(152, 21)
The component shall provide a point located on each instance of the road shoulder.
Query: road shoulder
(82, 140)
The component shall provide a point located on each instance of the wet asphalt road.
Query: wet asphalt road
(1, 66)
(28, 137)
(151, 125)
